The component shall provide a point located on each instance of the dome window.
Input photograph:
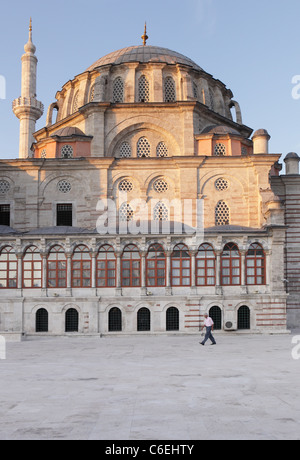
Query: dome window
(143, 148)
(170, 92)
(144, 92)
(211, 103)
(118, 91)
(220, 150)
(67, 151)
(75, 102)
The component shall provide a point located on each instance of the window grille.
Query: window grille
(222, 214)
(244, 151)
(41, 320)
(118, 91)
(160, 186)
(170, 92)
(92, 93)
(162, 150)
(244, 317)
(161, 212)
(64, 186)
(75, 102)
(115, 320)
(195, 90)
(4, 187)
(67, 151)
(143, 320)
(5, 214)
(144, 92)
(64, 215)
(126, 213)
(126, 185)
(211, 103)
(8, 268)
(72, 320)
(125, 150)
(57, 268)
(44, 153)
(220, 150)
(172, 319)
(216, 315)
(222, 185)
(143, 147)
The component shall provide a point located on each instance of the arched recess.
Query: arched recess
(145, 125)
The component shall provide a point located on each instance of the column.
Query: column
(218, 273)
(69, 272)
(118, 288)
(94, 268)
(19, 268)
(143, 270)
(168, 273)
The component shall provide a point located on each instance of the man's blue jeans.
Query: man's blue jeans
(208, 335)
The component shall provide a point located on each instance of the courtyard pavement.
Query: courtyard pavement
(159, 387)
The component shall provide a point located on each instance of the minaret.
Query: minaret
(27, 108)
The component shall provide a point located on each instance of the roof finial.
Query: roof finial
(30, 25)
(145, 36)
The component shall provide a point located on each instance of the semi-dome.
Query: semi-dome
(221, 129)
(144, 54)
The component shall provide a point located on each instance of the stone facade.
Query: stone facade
(143, 123)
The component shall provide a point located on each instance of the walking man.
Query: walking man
(209, 324)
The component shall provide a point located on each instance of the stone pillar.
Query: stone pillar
(261, 142)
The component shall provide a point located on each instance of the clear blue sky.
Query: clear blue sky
(253, 47)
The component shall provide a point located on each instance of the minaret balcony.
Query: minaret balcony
(26, 105)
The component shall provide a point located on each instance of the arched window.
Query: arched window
(118, 90)
(255, 265)
(92, 93)
(162, 150)
(172, 319)
(231, 265)
(75, 102)
(8, 268)
(143, 148)
(71, 320)
(181, 266)
(222, 214)
(156, 266)
(216, 315)
(81, 267)
(131, 266)
(106, 267)
(160, 212)
(244, 317)
(41, 320)
(32, 268)
(206, 266)
(144, 91)
(170, 91)
(114, 320)
(57, 268)
(126, 213)
(211, 103)
(143, 319)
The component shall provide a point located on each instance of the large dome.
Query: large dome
(144, 54)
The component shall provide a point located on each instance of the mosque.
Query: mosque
(144, 203)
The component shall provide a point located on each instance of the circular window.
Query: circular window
(4, 186)
(126, 186)
(220, 150)
(160, 186)
(222, 184)
(64, 186)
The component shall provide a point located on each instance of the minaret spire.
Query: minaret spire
(27, 108)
